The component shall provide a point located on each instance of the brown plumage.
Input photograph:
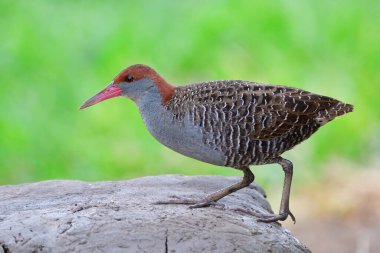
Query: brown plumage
(252, 123)
(229, 123)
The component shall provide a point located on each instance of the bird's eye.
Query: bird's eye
(129, 78)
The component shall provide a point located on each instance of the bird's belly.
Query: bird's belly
(183, 137)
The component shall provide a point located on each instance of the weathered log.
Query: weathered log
(119, 216)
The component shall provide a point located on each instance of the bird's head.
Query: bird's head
(134, 82)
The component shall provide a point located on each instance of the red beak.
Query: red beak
(112, 90)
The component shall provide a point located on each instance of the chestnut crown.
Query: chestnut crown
(129, 82)
(137, 72)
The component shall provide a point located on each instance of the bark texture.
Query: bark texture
(75, 216)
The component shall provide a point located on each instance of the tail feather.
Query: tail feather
(331, 113)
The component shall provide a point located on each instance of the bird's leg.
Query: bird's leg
(287, 166)
(213, 197)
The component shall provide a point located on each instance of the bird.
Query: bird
(229, 123)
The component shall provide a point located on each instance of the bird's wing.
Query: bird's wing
(286, 109)
(261, 111)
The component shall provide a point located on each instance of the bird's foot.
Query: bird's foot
(175, 200)
(276, 217)
(207, 203)
(267, 218)
(194, 203)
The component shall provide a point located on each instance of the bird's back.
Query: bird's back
(252, 123)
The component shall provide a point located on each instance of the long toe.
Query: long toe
(207, 203)
(266, 217)
(273, 218)
(177, 201)
(276, 217)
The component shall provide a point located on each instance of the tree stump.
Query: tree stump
(119, 216)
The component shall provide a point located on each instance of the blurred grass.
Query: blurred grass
(56, 54)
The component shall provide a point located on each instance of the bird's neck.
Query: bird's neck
(149, 99)
(150, 105)
(157, 119)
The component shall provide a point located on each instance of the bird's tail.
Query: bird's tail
(334, 111)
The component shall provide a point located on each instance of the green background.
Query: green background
(57, 54)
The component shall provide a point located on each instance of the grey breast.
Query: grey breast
(181, 135)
